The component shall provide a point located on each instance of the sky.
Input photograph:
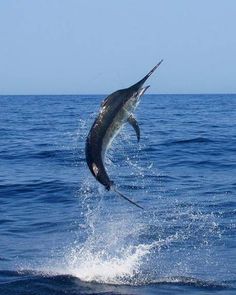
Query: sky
(97, 47)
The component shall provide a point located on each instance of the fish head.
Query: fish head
(135, 91)
(133, 100)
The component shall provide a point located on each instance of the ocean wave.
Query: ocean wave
(56, 153)
(53, 186)
(196, 140)
(190, 281)
(64, 156)
(31, 282)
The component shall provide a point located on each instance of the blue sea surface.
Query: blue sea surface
(62, 233)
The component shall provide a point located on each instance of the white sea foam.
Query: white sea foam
(104, 268)
(91, 265)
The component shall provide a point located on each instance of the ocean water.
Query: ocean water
(62, 233)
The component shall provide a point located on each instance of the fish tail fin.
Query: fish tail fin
(124, 197)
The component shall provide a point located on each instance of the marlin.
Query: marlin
(116, 110)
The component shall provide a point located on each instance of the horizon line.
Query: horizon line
(93, 94)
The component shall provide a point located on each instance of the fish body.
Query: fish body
(116, 110)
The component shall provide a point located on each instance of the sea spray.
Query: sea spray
(122, 267)
(119, 245)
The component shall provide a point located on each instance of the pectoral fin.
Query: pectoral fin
(134, 124)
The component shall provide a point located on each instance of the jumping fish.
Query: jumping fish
(115, 111)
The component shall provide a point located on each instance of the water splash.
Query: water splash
(122, 266)
(104, 268)
(116, 244)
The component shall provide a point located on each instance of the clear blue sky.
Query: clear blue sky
(85, 46)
